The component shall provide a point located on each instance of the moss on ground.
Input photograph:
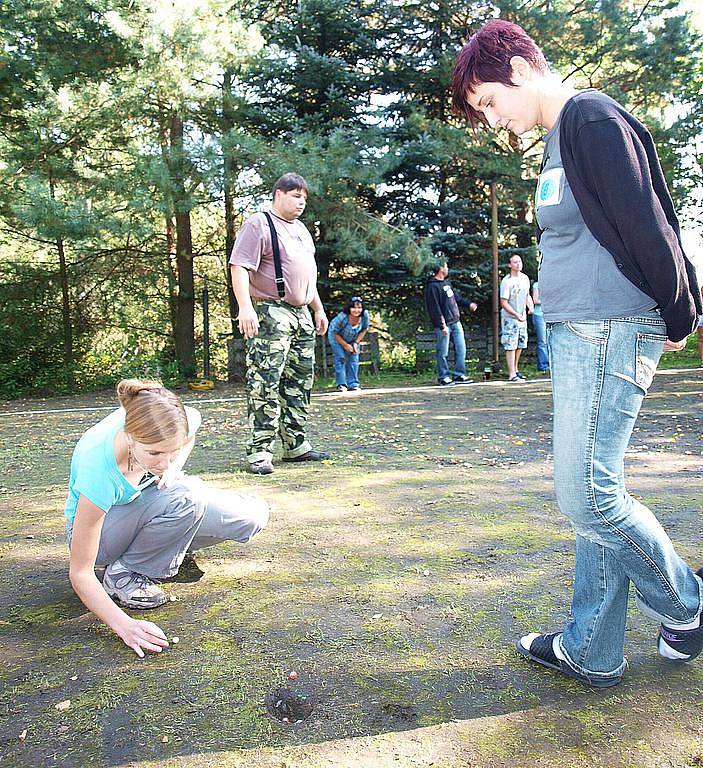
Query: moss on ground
(394, 580)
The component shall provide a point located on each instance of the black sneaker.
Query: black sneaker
(462, 380)
(540, 648)
(309, 456)
(681, 644)
(446, 382)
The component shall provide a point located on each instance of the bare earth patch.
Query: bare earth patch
(394, 579)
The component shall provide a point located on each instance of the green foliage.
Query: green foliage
(98, 190)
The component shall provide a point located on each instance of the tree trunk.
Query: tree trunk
(65, 300)
(170, 254)
(525, 231)
(185, 303)
(323, 257)
(230, 223)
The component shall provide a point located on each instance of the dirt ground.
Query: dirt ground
(394, 580)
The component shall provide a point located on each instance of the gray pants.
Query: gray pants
(152, 534)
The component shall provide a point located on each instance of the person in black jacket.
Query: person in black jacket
(617, 290)
(442, 304)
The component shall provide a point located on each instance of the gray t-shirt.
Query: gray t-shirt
(578, 278)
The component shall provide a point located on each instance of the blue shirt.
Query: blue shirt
(538, 307)
(94, 471)
(340, 325)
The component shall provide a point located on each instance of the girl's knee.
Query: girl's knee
(259, 514)
(183, 503)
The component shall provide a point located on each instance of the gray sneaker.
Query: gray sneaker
(260, 467)
(130, 589)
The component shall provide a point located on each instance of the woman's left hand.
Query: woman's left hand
(170, 477)
(674, 346)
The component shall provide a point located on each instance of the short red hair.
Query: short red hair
(486, 59)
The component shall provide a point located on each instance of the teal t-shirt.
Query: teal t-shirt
(94, 471)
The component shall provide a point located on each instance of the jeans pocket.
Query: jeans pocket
(595, 332)
(649, 350)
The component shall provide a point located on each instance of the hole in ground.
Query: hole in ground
(289, 706)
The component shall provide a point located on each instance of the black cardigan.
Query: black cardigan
(612, 167)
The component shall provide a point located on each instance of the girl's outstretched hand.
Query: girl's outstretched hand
(143, 635)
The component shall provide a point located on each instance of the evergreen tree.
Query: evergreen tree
(311, 100)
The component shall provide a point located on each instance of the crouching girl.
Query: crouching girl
(131, 509)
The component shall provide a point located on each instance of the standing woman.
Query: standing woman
(345, 334)
(130, 508)
(616, 291)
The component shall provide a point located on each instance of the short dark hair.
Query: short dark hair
(354, 300)
(288, 182)
(486, 59)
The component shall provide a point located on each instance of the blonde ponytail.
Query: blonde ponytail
(152, 412)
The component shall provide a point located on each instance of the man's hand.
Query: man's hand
(473, 306)
(522, 318)
(248, 322)
(321, 322)
(674, 346)
(445, 330)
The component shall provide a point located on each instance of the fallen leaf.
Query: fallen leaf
(62, 706)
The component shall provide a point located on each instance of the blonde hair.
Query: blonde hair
(153, 413)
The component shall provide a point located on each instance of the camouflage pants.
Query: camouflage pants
(280, 370)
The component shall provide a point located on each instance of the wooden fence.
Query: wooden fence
(479, 345)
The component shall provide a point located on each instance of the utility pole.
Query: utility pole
(206, 330)
(496, 303)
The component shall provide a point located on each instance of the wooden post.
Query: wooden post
(496, 288)
(206, 330)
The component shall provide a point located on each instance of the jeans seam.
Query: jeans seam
(591, 485)
(592, 429)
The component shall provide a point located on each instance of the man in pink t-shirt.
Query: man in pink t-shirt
(279, 332)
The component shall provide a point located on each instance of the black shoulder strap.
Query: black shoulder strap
(280, 284)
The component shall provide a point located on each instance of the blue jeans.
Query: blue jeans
(346, 366)
(456, 334)
(601, 371)
(542, 349)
